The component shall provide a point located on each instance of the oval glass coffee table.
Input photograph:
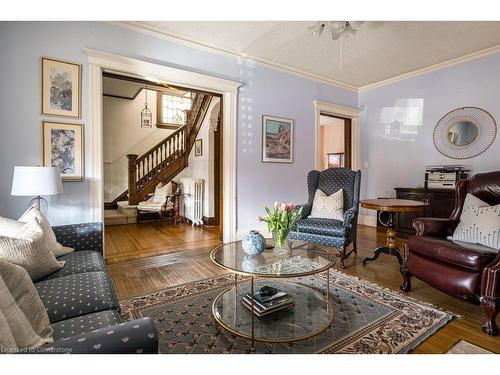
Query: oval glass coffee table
(312, 312)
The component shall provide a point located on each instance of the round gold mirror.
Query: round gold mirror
(464, 132)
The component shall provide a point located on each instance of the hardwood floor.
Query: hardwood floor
(149, 273)
(133, 241)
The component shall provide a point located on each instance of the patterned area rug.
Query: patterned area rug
(369, 319)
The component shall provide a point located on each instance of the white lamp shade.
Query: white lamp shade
(34, 181)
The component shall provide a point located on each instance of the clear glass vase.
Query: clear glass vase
(281, 243)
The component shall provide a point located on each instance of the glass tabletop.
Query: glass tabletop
(310, 315)
(305, 259)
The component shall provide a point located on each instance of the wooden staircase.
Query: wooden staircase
(165, 160)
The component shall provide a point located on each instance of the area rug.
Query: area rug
(465, 347)
(368, 319)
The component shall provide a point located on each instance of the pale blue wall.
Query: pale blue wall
(271, 92)
(397, 155)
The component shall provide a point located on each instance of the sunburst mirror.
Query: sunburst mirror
(465, 132)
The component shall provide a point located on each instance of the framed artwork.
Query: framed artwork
(198, 147)
(277, 139)
(63, 148)
(335, 160)
(61, 86)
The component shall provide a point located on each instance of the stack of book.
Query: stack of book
(263, 306)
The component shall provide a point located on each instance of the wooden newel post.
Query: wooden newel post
(132, 179)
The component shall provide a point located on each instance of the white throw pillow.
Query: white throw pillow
(328, 207)
(54, 246)
(28, 248)
(161, 192)
(479, 223)
(22, 309)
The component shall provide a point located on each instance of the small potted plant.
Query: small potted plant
(280, 221)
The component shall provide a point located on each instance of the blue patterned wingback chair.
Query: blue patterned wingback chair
(329, 232)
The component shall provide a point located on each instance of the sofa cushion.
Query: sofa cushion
(78, 262)
(328, 206)
(73, 295)
(85, 323)
(473, 257)
(325, 227)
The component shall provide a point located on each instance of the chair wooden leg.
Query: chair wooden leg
(491, 309)
(342, 257)
(406, 284)
(354, 247)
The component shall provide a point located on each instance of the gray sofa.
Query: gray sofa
(82, 304)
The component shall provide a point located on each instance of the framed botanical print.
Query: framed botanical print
(277, 139)
(335, 160)
(63, 148)
(198, 147)
(61, 88)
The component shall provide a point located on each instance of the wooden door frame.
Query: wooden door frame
(98, 61)
(337, 110)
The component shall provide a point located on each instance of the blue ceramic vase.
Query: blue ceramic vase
(253, 243)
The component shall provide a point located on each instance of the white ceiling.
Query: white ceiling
(377, 52)
(128, 89)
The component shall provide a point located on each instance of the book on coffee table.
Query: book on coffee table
(266, 305)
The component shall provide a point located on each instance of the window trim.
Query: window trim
(159, 113)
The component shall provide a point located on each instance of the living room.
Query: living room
(350, 189)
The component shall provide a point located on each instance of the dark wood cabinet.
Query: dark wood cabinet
(440, 204)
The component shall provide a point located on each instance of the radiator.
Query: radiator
(192, 199)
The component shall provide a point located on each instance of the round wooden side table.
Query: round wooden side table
(391, 206)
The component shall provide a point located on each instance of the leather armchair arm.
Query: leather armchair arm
(427, 226)
(306, 209)
(349, 217)
(135, 336)
(490, 280)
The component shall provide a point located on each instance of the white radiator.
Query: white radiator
(192, 199)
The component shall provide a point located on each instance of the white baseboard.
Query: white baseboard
(369, 220)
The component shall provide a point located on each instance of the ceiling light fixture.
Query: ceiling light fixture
(336, 28)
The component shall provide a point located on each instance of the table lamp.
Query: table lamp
(36, 181)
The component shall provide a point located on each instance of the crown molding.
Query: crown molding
(431, 68)
(176, 38)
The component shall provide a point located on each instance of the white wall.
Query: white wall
(203, 166)
(123, 135)
(398, 120)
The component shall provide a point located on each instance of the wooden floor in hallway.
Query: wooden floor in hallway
(148, 273)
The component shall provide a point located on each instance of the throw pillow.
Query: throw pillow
(28, 248)
(328, 207)
(7, 341)
(54, 246)
(479, 223)
(161, 192)
(17, 287)
(9, 226)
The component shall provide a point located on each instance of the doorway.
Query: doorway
(334, 142)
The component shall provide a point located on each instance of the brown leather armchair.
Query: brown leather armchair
(468, 272)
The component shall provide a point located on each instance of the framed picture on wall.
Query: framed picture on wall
(198, 147)
(63, 148)
(61, 88)
(335, 160)
(277, 139)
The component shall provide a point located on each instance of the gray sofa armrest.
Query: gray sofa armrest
(350, 216)
(306, 210)
(135, 336)
(86, 236)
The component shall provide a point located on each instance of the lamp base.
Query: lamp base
(39, 203)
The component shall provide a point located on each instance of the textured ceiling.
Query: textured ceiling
(378, 51)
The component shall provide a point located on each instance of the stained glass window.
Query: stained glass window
(173, 108)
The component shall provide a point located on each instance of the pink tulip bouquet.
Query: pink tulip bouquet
(280, 221)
